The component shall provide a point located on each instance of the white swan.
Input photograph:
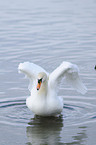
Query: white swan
(43, 87)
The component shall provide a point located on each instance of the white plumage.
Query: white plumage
(44, 100)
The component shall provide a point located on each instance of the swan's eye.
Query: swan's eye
(40, 80)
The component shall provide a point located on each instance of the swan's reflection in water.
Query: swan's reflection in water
(50, 131)
(44, 130)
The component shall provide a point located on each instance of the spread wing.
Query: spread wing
(31, 70)
(71, 73)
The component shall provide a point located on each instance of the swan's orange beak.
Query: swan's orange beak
(39, 84)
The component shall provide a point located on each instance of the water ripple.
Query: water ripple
(15, 112)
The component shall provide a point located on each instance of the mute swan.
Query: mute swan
(43, 86)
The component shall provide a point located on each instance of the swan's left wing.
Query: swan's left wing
(31, 70)
(71, 73)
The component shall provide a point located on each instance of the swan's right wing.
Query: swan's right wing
(70, 72)
(31, 70)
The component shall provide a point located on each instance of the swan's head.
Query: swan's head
(42, 80)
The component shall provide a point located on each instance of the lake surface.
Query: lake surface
(47, 32)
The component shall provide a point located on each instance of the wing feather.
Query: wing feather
(70, 72)
(31, 70)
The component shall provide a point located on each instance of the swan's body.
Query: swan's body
(43, 87)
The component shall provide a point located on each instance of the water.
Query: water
(47, 33)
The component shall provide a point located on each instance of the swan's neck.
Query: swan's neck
(44, 89)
